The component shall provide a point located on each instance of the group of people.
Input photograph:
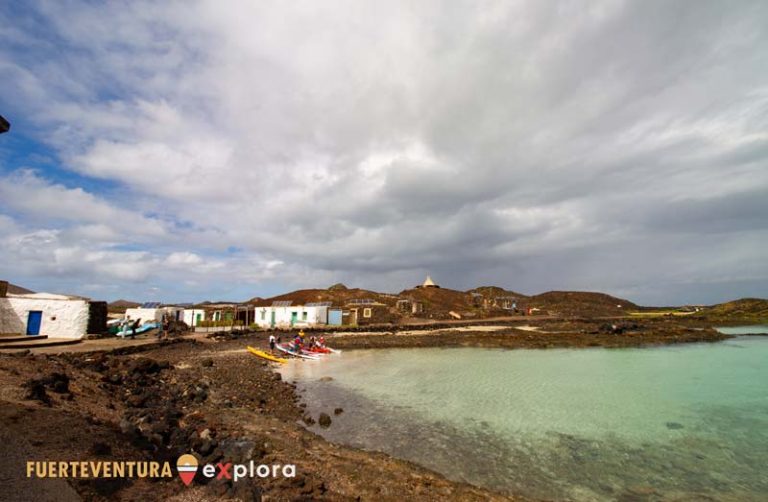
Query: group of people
(298, 343)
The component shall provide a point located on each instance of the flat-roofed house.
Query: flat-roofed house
(283, 314)
(49, 314)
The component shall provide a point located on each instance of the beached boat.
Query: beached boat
(322, 350)
(282, 348)
(127, 331)
(266, 355)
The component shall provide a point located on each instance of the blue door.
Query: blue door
(34, 320)
(334, 317)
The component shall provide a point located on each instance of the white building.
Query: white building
(193, 317)
(47, 314)
(152, 313)
(280, 315)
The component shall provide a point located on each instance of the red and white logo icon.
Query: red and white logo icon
(187, 467)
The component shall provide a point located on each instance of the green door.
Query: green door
(272, 319)
(294, 317)
(197, 319)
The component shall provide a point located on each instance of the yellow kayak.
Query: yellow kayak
(266, 355)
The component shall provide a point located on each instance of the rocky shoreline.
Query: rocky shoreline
(212, 398)
(554, 334)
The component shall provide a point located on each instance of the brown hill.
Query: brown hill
(18, 290)
(337, 296)
(745, 309)
(581, 303)
(438, 300)
(495, 292)
(120, 306)
(127, 304)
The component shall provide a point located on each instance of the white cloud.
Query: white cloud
(329, 142)
(26, 192)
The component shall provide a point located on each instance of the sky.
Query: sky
(222, 150)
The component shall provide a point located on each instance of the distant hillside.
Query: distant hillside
(747, 309)
(18, 290)
(495, 292)
(581, 303)
(120, 306)
(438, 302)
(439, 299)
(338, 296)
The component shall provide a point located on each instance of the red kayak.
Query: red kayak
(318, 350)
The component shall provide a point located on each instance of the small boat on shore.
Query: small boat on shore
(266, 355)
(282, 348)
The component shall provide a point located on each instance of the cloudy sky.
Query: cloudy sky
(183, 151)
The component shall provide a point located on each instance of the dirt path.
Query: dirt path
(16, 485)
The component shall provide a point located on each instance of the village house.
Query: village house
(504, 302)
(193, 316)
(362, 312)
(153, 312)
(283, 314)
(51, 315)
(410, 306)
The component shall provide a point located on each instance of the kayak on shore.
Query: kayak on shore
(282, 348)
(265, 355)
(321, 350)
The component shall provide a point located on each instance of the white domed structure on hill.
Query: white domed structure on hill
(428, 283)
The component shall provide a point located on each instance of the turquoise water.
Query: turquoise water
(744, 330)
(680, 423)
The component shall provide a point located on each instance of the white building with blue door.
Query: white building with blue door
(47, 314)
(284, 315)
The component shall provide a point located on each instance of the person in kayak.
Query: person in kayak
(272, 342)
(297, 343)
(321, 341)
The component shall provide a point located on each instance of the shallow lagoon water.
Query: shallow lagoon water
(744, 330)
(678, 422)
